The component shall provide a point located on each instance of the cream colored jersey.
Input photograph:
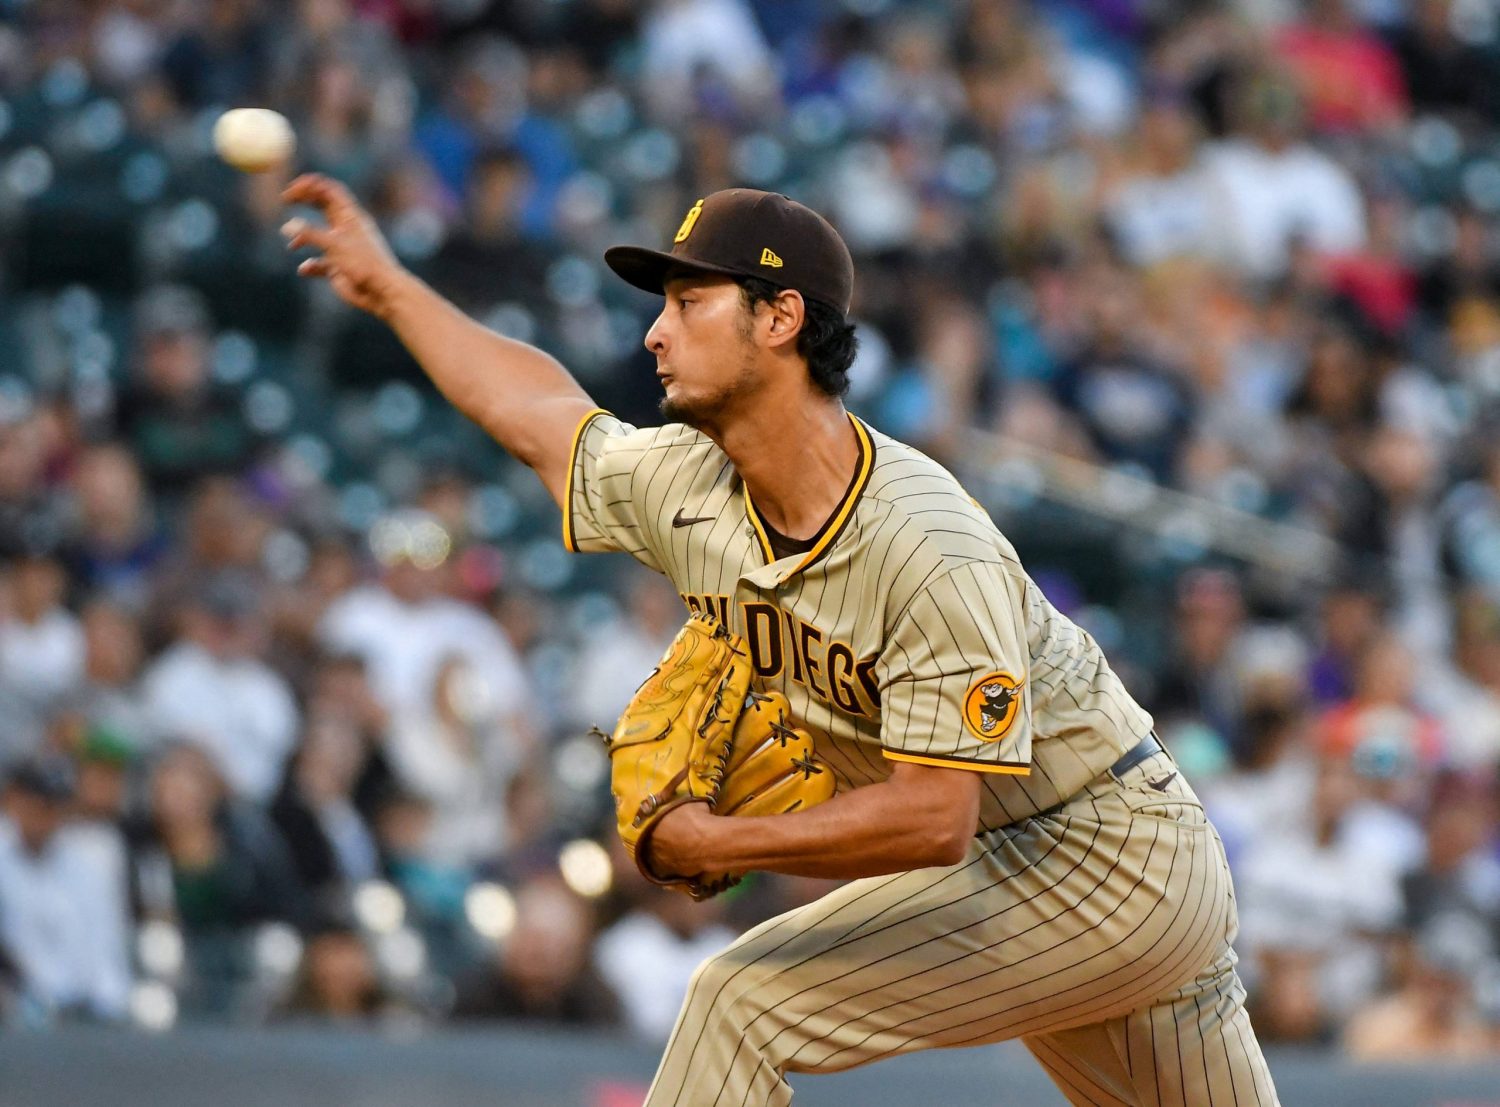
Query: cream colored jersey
(908, 632)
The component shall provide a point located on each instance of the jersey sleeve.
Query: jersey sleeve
(606, 481)
(954, 675)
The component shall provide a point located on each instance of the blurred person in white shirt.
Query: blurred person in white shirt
(460, 752)
(670, 933)
(212, 688)
(613, 658)
(683, 41)
(405, 627)
(1163, 206)
(1318, 905)
(1276, 191)
(41, 641)
(64, 921)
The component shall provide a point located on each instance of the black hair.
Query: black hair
(827, 338)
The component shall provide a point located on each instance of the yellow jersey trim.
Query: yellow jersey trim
(567, 513)
(841, 516)
(960, 763)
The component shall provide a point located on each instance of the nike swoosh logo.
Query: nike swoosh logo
(679, 521)
(1161, 785)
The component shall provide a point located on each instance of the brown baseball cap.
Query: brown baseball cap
(743, 232)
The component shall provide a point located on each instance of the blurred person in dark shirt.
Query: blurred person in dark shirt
(213, 865)
(492, 258)
(1136, 408)
(1350, 617)
(338, 980)
(180, 424)
(1444, 72)
(220, 55)
(1460, 875)
(1388, 523)
(543, 971)
(1469, 270)
(1198, 682)
(115, 544)
(331, 845)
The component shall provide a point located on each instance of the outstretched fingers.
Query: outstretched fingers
(324, 193)
(300, 233)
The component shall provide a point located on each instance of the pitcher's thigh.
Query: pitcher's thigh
(1055, 926)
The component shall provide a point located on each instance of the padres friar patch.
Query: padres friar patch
(991, 705)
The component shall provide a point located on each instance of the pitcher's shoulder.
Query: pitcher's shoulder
(925, 503)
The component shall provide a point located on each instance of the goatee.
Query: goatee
(674, 413)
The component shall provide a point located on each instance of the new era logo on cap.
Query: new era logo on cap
(726, 233)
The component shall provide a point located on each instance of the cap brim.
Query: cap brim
(648, 269)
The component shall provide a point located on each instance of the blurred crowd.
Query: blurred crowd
(296, 676)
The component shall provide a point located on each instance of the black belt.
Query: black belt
(1143, 750)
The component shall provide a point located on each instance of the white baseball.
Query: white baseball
(254, 139)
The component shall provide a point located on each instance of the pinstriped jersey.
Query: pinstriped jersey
(908, 632)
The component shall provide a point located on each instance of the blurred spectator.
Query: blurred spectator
(105, 763)
(331, 846)
(63, 903)
(459, 754)
(406, 629)
(605, 672)
(1349, 619)
(32, 519)
(1433, 1017)
(1458, 885)
(211, 687)
(486, 107)
(116, 545)
(1200, 682)
(340, 690)
(223, 529)
(1163, 205)
(1348, 76)
(338, 981)
(1277, 190)
(1446, 72)
(180, 424)
(705, 52)
(674, 936)
(1135, 406)
(110, 697)
(543, 970)
(493, 259)
(1316, 902)
(213, 867)
(42, 646)
(432, 888)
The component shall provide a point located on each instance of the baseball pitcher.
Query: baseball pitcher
(1025, 859)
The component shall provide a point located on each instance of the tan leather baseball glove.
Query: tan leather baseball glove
(695, 733)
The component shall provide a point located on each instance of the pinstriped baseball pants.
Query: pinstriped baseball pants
(1099, 936)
